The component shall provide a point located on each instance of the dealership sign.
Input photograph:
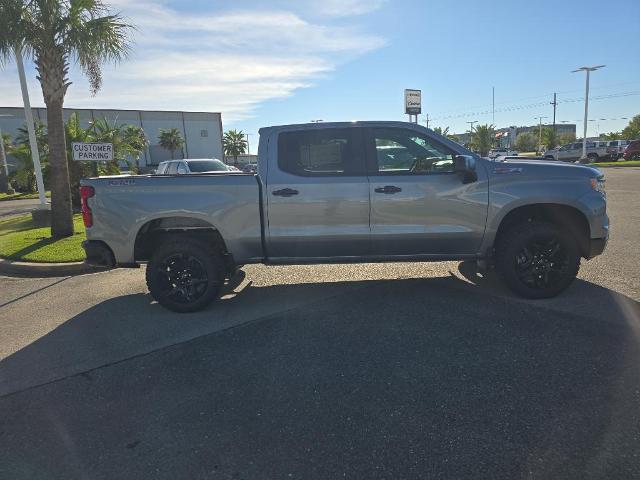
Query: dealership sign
(412, 102)
(93, 152)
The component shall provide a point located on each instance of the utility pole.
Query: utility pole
(427, 120)
(471, 128)
(30, 127)
(555, 104)
(586, 105)
(540, 134)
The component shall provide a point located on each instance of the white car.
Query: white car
(501, 152)
(188, 165)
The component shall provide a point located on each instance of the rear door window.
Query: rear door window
(321, 153)
(172, 168)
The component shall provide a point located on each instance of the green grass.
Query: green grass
(19, 240)
(21, 196)
(626, 163)
(528, 154)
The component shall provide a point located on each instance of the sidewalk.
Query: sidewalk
(9, 208)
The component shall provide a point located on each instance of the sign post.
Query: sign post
(413, 103)
(92, 152)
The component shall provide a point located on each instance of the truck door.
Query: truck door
(419, 205)
(317, 194)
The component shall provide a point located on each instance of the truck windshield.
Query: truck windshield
(207, 166)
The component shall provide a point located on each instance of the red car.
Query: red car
(632, 152)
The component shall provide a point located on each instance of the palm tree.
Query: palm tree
(134, 142)
(55, 33)
(234, 143)
(442, 131)
(171, 140)
(483, 138)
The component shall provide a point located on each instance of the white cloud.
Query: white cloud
(228, 61)
(345, 8)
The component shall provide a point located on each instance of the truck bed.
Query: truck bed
(123, 205)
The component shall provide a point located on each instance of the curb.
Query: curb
(28, 269)
(616, 166)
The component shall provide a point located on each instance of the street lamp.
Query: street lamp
(586, 105)
(4, 175)
(540, 133)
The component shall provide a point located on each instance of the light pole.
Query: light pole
(586, 105)
(540, 133)
(32, 133)
(4, 174)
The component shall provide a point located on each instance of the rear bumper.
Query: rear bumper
(98, 253)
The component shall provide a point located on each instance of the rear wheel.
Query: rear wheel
(592, 157)
(184, 274)
(537, 259)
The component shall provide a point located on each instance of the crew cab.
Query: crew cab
(349, 192)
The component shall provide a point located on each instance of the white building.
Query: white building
(202, 131)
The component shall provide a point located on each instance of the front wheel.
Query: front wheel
(537, 259)
(184, 274)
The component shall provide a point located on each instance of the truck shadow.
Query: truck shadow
(422, 364)
(131, 325)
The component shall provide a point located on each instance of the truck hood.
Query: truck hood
(550, 167)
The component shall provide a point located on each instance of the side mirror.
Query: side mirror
(465, 166)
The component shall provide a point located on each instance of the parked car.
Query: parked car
(336, 192)
(189, 166)
(508, 158)
(632, 151)
(250, 168)
(615, 148)
(596, 151)
(497, 152)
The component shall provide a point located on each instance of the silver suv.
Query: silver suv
(596, 151)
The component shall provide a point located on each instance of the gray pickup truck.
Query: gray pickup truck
(349, 192)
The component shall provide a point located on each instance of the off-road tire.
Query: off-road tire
(201, 263)
(510, 250)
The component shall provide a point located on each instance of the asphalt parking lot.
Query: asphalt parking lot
(361, 371)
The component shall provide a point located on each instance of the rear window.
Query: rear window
(207, 166)
(325, 152)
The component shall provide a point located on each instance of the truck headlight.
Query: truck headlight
(598, 185)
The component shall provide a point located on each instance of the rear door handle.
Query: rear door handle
(285, 192)
(388, 189)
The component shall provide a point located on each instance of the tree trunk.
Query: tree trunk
(61, 212)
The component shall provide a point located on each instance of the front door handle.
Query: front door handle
(388, 189)
(285, 192)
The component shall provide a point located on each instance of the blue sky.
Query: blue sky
(262, 63)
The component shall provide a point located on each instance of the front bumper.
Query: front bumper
(98, 253)
(597, 246)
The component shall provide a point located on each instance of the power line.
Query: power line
(533, 105)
